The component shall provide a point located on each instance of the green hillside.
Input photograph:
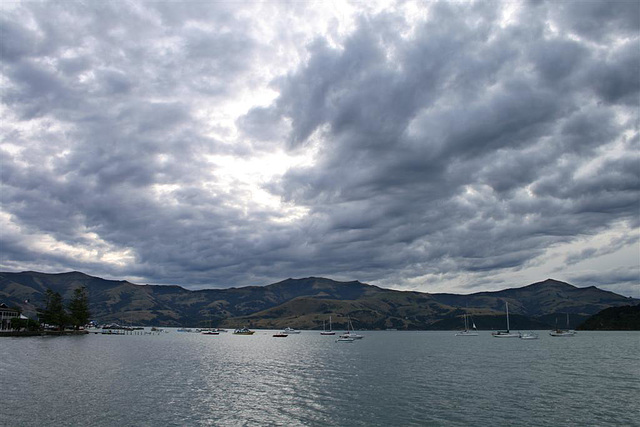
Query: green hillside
(305, 303)
(625, 318)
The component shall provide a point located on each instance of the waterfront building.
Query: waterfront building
(6, 315)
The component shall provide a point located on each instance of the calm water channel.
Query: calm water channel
(386, 379)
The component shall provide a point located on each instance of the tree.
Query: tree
(53, 312)
(28, 324)
(79, 307)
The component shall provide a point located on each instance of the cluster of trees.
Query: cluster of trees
(75, 313)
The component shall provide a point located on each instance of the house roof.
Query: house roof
(5, 308)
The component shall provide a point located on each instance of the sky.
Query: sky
(451, 146)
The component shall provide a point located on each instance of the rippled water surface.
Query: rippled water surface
(386, 379)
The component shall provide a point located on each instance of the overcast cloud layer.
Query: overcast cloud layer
(435, 146)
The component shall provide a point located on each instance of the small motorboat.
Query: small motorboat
(243, 331)
(280, 335)
(289, 330)
(209, 332)
(345, 339)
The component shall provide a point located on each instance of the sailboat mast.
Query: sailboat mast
(507, 304)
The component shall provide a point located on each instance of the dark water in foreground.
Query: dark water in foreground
(386, 379)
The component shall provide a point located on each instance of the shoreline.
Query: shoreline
(40, 333)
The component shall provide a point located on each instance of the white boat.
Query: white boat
(288, 330)
(562, 332)
(345, 339)
(507, 333)
(210, 330)
(324, 329)
(528, 336)
(350, 332)
(467, 332)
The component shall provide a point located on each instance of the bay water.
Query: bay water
(389, 378)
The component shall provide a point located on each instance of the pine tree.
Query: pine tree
(53, 312)
(79, 307)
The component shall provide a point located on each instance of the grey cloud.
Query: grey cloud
(558, 60)
(592, 252)
(264, 125)
(599, 20)
(16, 42)
(401, 135)
(113, 82)
(624, 280)
(615, 79)
(453, 147)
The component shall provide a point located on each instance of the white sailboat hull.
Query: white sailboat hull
(466, 334)
(507, 335)
(352, 336)
(562, 333)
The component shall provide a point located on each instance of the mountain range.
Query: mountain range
(306, 303)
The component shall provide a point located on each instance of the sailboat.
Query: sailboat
(324, 329)
(507, 333)
(562, 332)
(209, 330)
(350, 332)
(467, 332)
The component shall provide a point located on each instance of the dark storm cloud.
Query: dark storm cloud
(452, 145)
(452, 129)
(623, 281)
(598, 21)
(118, 141)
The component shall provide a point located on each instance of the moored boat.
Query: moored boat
(466, 332)
(557, 332)
(528, 336)
(324, 329)
(243, 331)
(350, 332)
(507, 333)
